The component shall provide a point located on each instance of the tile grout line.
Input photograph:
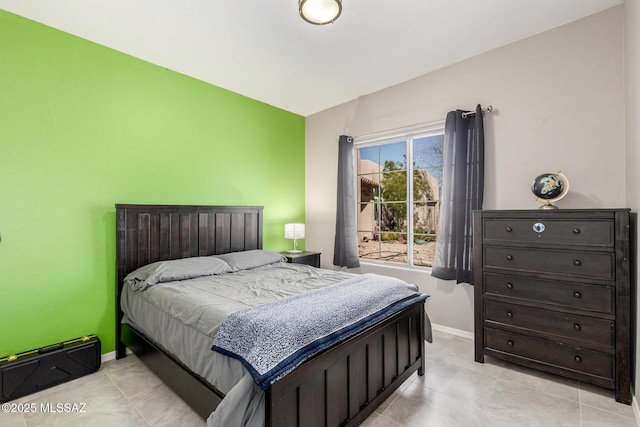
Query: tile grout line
(496, 379)
(486, 405)
(607, 411)
(555, 396)
(128, 400)
(580, 406)
(601, 409)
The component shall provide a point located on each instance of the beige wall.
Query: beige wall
(559, 106)
(632, 81)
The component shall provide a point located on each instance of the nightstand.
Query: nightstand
(306, 257)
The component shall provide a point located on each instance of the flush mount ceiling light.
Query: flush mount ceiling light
(320, 12)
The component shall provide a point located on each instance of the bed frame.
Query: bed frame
(340, 386)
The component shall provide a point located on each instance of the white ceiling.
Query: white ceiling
(264, 50)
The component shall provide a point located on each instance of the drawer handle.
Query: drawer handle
(577, 326)
(509, 229)
(576, 231)
(509, 257)
(577, 294)
(578, 359)
(509, 314)
(509, 285)
(510, 343)
(577, 263)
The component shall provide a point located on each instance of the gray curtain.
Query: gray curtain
(345, 248)
(462, 191)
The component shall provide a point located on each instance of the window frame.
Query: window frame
(407, 135)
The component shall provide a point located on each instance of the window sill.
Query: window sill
(393, 265)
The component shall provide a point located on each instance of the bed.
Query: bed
(342, 385)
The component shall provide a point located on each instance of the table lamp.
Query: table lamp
(295, 232)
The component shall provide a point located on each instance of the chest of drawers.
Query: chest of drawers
(552, 292)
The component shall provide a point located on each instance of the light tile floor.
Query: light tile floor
(456, 391)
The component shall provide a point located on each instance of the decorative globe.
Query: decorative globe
(550, 187)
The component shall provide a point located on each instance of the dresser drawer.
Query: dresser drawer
(572, 232)
(576, 295)
(568, 357)
(599, 265)
(591, 331)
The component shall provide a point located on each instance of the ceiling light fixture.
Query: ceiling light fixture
(320, 12)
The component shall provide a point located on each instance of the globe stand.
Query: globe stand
(547, 205)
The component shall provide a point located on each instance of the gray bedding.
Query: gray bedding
(184, 316)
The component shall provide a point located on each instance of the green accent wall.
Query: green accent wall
(83, 127)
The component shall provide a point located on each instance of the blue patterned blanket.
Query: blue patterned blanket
(273, 339)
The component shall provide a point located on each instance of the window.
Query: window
(397, 216)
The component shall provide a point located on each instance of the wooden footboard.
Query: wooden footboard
(345, 384)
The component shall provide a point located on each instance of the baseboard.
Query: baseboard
(111, 356)
(636, 409)
(452, 331)
(108, 356)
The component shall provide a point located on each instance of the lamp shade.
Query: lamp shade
(294, 231)
(320, 12)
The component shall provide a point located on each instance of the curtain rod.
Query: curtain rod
(470, 113)
(404, 129)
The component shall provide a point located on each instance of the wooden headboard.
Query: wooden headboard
(149, 233)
